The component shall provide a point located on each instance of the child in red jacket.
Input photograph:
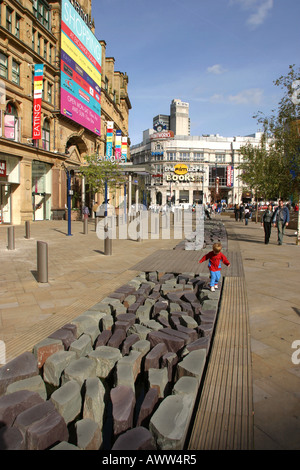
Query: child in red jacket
(215, 257)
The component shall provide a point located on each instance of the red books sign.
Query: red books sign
(37, 101)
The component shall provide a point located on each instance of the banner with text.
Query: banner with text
(124, 149)
(109, 139)
(37, 101)
(80, 76)
(118, 149)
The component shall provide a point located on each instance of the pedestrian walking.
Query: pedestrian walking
(242, 212)
(236, 212)
(266, 222)
(215, 258)
(281, 220)
(248, 215)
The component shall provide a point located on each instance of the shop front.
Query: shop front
(9, 181)
(41, 190)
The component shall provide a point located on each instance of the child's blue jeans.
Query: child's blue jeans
(214, 277)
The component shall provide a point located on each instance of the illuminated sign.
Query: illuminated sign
(80, 72)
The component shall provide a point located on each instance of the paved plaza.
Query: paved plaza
(79, 275)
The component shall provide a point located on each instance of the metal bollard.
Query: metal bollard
(85, 226)
(27, 229)
(42, 261)
(138, 227)
(107, 242)
(11, 238)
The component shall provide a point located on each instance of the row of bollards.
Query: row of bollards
(42, 251)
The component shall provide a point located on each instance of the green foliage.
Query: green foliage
(272, 169)
(97, 171)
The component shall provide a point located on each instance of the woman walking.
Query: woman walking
(266, 221)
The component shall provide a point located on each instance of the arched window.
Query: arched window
(11, 122)
(46, 134)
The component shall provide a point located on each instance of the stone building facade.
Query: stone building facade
(185, 169)
(33, 178)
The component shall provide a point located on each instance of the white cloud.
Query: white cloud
(250, 96)
(259, 10)
(216, 69)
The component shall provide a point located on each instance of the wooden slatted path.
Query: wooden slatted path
(181, 261)
(224, 417)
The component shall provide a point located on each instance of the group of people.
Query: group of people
(279, 218)
(242, 212)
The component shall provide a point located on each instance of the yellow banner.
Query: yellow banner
(69, 48)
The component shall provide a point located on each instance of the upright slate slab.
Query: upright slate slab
(22, 367)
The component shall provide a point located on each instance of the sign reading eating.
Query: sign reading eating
(37, 101)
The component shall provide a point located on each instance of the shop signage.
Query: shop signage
(162, 135)
(229, 176)
(2, 168)
(190, 169)
(184, 178)
(180, 169)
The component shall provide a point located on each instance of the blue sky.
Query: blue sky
(220, 56)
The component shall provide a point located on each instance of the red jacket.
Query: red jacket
(215, 260)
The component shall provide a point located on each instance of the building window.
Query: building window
(171, 156)
(39, 44)
(220, 158)
(49, 93)
(217, 171)
(33, 39)
(46, 135)
(16, 72)
(41, 12)
(3, 65)
(184, 156)
(17, 26)
(199, 156)
(45, 49)
(9, 19)
(11, 122)
(50, 53)
(43, 90)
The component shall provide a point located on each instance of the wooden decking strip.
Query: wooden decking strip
(224, 418)
(180, 261)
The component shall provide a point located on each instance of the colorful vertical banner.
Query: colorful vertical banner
(37, 101)
(124, 149)
(229, 176)
(109, 139)
(118, 150)
(80, 75)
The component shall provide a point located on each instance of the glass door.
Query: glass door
(5, 204)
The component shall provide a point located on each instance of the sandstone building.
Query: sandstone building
(33, 172)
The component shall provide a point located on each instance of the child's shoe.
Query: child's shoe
(216, 286)
(212, 289)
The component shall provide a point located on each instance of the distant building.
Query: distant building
(190, 169)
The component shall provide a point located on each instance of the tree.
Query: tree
(276, 161)
(98, 173)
